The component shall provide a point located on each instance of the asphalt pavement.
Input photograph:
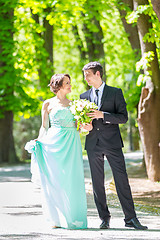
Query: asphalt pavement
(21, 215)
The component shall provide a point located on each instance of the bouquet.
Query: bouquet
(79, 108)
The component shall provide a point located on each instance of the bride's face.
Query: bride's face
(66, 86)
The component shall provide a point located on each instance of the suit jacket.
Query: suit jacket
(106, 130)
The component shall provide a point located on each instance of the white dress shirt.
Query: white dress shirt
(93, 95)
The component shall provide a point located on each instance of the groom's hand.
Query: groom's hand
(95, 114)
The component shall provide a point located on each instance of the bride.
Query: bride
(58, 155)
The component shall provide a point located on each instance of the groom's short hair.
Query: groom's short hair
(94, 66)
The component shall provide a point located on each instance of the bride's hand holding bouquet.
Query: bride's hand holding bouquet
(80, 109)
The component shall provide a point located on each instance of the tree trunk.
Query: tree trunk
(130, 133)
(94, 39)
(7, 149)
(149, 128)
(156, 7)
(149, 105)
(45, 68)
(37, 35)
(133, 37)
(48, 37)
(82, 52)
(79, 43)
(131, 30)
(48, 45)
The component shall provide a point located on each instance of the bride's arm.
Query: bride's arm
(45, 120)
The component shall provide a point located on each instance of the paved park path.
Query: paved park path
(21, 213)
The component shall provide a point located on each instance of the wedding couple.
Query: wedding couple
(58, 153)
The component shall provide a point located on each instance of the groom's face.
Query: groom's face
(90, 77)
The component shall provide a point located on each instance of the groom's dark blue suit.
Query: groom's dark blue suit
(105, 140)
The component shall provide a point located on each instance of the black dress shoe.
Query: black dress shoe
(105, 224)
(134, 222)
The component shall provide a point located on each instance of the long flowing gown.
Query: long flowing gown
(60, 167)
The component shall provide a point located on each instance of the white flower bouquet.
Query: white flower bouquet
(79, 108)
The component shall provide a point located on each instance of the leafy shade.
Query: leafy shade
(14, 65)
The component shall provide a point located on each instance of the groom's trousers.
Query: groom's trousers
(116, 161)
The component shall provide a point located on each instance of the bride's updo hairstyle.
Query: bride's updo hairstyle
(56, 82)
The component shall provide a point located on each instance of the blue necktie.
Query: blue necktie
(96, 101)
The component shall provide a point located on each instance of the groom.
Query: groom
(104, 139)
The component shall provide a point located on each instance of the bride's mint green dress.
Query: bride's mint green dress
(59, 158)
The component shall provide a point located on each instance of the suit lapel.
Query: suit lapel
(89, 94)
(105, 92)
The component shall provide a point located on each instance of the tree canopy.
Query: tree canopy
(40, 38)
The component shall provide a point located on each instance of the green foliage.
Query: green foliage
(12, 81)
(132, 92)
(7, 73)
(141, 9)
(24, 131)
(145, 64)
(24, 56)
(153, 35)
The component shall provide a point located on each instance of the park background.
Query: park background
(41, 38)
